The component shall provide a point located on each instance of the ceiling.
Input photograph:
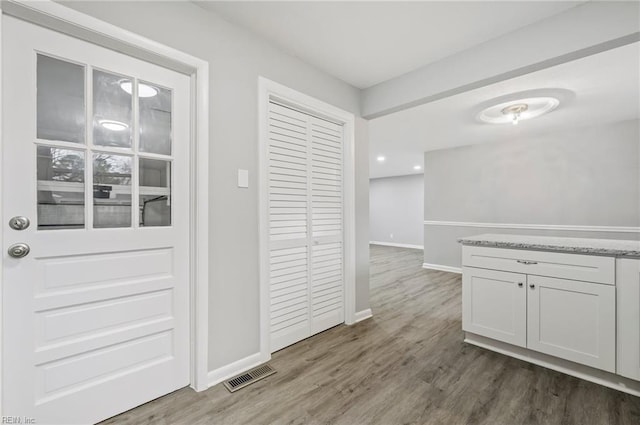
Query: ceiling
(365, 43)
(606, 88)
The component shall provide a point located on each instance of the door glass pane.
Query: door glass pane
(60, 188)
(155, 118)
(155, 192)
(60, 100)
(112, 105)
(111, 190)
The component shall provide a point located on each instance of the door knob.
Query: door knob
(19, 250)
(19, 222)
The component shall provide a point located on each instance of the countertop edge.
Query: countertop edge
(542, 247)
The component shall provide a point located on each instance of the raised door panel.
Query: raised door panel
(494, 305)
(572, 320)
(628, 312)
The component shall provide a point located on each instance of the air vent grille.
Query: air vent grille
(248, 378)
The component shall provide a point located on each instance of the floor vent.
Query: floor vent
(248, 378)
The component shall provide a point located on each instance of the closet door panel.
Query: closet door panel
(288, 195)
(327, 282)
(306, 279)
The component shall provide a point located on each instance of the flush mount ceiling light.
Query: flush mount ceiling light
(380, 158)
(417, 167)
(518, 110)
(144, 90)
(113, 125)
(515, 111)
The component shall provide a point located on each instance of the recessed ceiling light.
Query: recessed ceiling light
(417, 167)
(144, 90)
(381, 158)
(113, 125)
(518, 110)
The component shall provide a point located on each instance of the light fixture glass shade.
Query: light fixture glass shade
(502, 113)
(113, 125)
(144, 90)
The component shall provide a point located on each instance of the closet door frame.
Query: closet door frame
(271, 91)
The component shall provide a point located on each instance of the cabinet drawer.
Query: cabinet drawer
(589, 268)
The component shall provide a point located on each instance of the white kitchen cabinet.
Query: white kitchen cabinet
(572, 320)
(569, 319)
(494, 304)
(628, 286)
(578, 311)
(559, 304)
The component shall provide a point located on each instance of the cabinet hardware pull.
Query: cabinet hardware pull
(519, 284)
(526, 262)
(532, 286)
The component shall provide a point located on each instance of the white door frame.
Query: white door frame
(270, 90)
(62, 19)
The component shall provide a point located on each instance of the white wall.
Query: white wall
(236, 58)
(587, 176)
(396, 210)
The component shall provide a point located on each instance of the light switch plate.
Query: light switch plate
(243, 178)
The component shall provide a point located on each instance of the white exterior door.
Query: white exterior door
(573, 320)
(95, 150)
(305, 203)
(495, 305)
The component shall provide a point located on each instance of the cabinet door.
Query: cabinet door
(494, 305)
(572, 320)
(628, 284)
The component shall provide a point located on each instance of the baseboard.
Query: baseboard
(587, 373)
(363, 315)
(397, 245)
(223, 373)
(442, 268)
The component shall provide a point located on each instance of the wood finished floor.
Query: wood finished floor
(406, 365)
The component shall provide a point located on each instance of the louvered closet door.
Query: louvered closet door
(305, 225)
(326, 225)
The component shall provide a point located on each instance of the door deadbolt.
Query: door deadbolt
(19, 250)
(19, 222)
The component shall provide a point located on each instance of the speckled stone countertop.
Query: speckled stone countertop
(609, 247)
